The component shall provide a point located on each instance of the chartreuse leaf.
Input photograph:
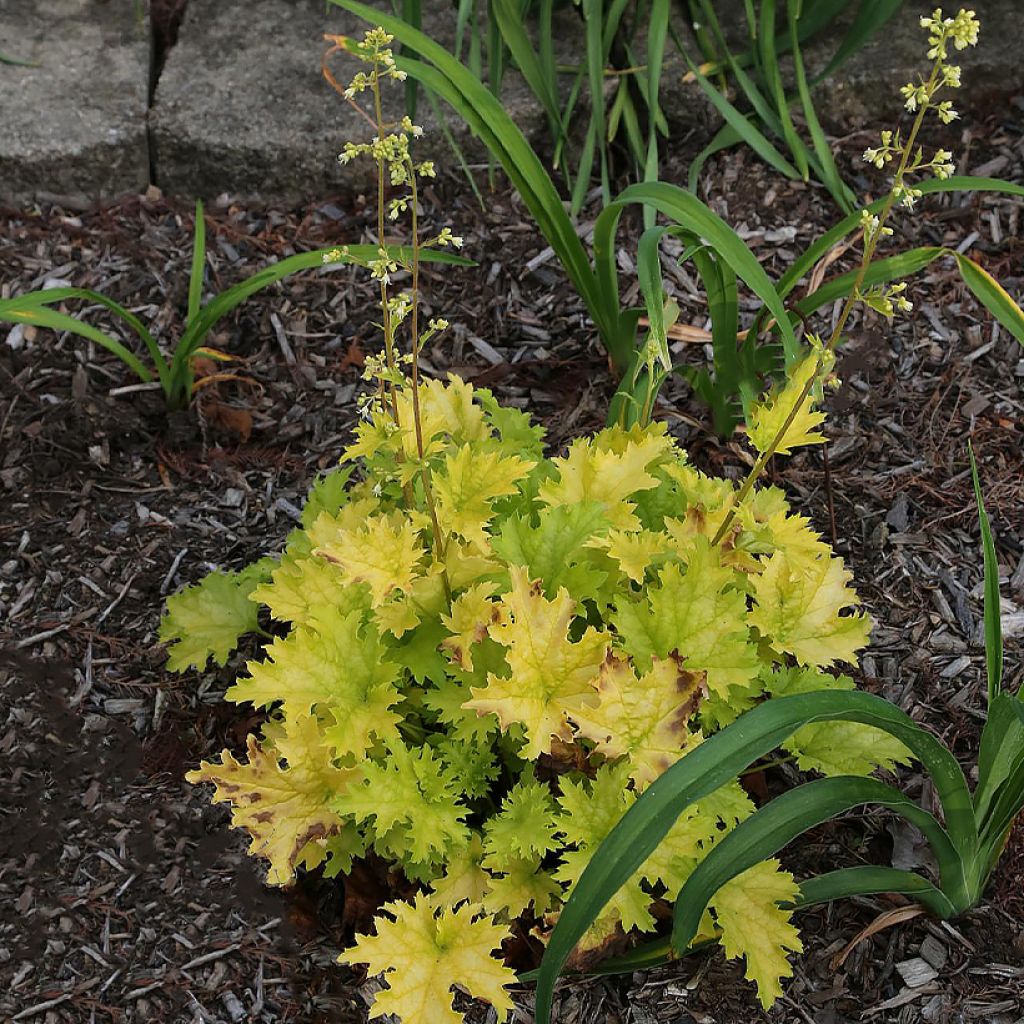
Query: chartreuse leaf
(472, 614)
(549, 674)
(555, 548)
(524, 827)
(835, 748)
(608, 469)
(798, 606)
(465, 879)
(423, 952)
(695, 609)
(282, 809)
(787, 413)
(645, 719)
(206, 620)
(590, 810)
(754, 926)
(328, 493)
(339, 666)
(411, 804)
(634, 552)
(467, 485)
(768, 418)
(386, 552)
(299, 586)
(521, 885)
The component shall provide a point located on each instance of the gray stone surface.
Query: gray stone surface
(76, 124)
(242, 106)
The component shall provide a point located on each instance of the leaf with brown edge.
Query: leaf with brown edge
(646, 718)
(282, 809)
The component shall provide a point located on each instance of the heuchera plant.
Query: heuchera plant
(480, 655)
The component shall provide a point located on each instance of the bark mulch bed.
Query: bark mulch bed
(126, 898)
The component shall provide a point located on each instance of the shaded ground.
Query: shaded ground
(125, 898)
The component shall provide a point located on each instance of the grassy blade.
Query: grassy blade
(412, 14)
(1007, 804)
(227, 300)
(648, 268)
(992, 295)
(725, 137)
(1000, 754)
(864, 880)
(773, 81)
(35, 300)
(830, 175)
(713, 763)
(742, 126)
(442, 123)
(195, 280)
(689, 212)
(463, 18)
(871, 16)
(41, 316)
(513, 32)
(993, 622)
(595, 61)
(723, 392)
(6, 58)
(892, 268)
(810, 256)
(867, 880)
(657, 34)
(780, 821)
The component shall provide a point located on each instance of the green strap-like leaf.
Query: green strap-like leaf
(864, 880)
(1000, 753)
(871, 16)
(823, 245)
(195, 279)
(830, 175)
(48, 296)
(648, 268)
(773, 80)
(718, 760)
(42, 316)
(867, 880)
(730, 371)
(771, 828)
(993, 621)
(686, 210)
(536, 73)
(992, 295)
(893, 268)
(222, 304)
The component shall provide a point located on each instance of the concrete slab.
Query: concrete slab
(242, 106)
(76, 123)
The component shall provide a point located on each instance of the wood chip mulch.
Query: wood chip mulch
(124, 896)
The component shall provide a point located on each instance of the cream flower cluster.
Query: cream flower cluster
(959, 32)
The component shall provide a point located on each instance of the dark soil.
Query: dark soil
(126, 898)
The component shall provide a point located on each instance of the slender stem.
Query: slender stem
(387, 326)
(428, 492)
(870, 244)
